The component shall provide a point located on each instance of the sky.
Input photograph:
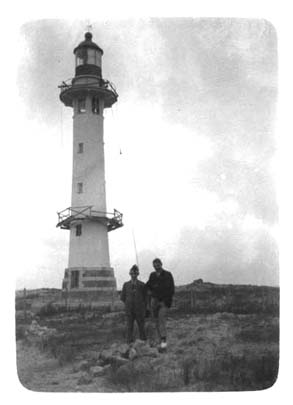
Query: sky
(189, 147)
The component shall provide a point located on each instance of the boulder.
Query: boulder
(93, 355)
(120, 349)
(83, 365)
(97, 371)
(132, 354)
(118, 361)
(143, 349)
(107, 368)
(39, 331)
(198, 281)
(106, 355)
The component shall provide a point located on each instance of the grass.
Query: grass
(225, 370)
(202, 356)
(210, 299)
(269, 334)
(193, 364)
(196, 364)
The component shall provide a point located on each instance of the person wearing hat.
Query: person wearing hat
(160, 288)
(134, 297)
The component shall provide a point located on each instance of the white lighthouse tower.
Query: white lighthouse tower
(89, 276)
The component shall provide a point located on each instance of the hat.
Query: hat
(134, 269)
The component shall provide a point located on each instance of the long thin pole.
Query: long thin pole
(134, 243)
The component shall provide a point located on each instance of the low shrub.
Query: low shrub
(270, 334)
(49, 309)
(65, 354)
(20, 332)
(235, 372)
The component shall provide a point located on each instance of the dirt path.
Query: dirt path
(219, 351)
(39, 372)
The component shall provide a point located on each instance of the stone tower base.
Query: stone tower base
(89, 285)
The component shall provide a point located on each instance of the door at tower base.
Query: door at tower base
(89, 285)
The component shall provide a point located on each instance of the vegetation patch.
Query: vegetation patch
(217, 341)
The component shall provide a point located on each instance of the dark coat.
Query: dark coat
(134, 296)
(161, 286)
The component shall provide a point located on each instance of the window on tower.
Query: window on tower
(80, 148)
(79, 188)
(95, 105)
(81, 105)
(78, 230)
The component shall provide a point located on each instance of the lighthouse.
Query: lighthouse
(89, 277)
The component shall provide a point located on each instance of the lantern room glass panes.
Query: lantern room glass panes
(87, 56)
(81, 56)
(92, 56)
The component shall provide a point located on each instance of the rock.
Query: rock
(123, 349)
(84, 379)
(139, 343)
(151, 352)
(114, 316)
(161, 350)
(132, 354)
(118, 361)
(117, 354)
(107, 370)
(106, 355)
(97, 371)
(100, 363)
(93, 355)
(83, 365)
(37, 333)
(198, 281)
(143, 349)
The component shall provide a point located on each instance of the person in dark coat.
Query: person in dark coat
(161, 289)
(134, 297)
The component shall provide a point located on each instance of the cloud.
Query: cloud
(45, 62)
(250, 186)
(195, 122)
(222, 252)
(226, 254)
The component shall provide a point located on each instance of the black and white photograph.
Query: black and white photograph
(149, 257)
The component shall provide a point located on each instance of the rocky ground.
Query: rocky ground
(85, 352)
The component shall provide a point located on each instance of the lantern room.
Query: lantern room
(88, 57)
